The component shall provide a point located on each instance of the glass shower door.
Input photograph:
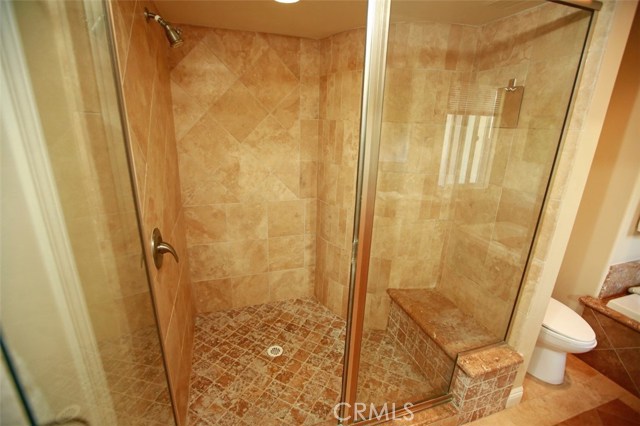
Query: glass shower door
(475, 100)
(79, 333)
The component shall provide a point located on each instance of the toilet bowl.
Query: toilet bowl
(563, 331)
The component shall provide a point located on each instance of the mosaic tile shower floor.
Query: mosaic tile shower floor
(235, 382)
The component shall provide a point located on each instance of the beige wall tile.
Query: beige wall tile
(203, 150)
(288, 112)
(308, 140)
(210, 261)
(214, 295)
(202, 75)
(517, 207)
(310, 97)
(278, 149)
(286, 252)
(206, 224)
(248, 257)
(250, 290)
(238, 111)
(247, 221)
(377, 311)
(248, 152)
(543, 108)
(237, 49)
(309, 250)
(308, 179)
(286, 218)
(270, 80)
(310, 216)
(196, 34)
(186, 110)
(484, 230)
(288, 50)
(289, 284)
(228, 259)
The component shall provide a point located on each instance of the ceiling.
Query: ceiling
(321, 18)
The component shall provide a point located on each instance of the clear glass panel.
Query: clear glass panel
(86, 348)
(475, 100)
(267, 115)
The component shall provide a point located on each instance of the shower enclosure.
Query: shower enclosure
(354, 204)
(79, 336)
(460, 157)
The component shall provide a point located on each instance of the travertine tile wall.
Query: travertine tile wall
(246, 111)
(469, 240)
(425, 62)
(142, 52)
(492, 226)
(268, 151)
(338, 129)
(242, 256)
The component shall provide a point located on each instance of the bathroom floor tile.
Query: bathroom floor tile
(234, 381)
(608, 363)
(611, 413)
(572, 403)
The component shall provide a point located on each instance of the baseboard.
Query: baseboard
(515, 396)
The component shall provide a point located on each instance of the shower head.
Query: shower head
(174, 35)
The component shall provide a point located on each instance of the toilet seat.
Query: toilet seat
(562, 342)
(565, 323)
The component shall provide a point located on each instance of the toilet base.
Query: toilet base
(548, 365)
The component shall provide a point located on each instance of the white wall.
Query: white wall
(34, 329)
(44, 323)
(604, 231)
(628, 244)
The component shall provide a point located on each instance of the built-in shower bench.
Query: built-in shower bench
(444, 342)
(442, 321)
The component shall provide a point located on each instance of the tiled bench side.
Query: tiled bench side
(432, 361)
(482, 378)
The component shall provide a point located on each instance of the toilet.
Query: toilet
(563, 331)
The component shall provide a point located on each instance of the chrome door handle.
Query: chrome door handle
(159, 248)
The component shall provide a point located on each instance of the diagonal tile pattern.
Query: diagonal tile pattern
(235, 382)
(237, 99)
(269, 80)
(238, 111)
(202, 65)
(614, 412)
(617, 354)
(573, 403)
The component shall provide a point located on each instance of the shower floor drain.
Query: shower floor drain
(274, 351)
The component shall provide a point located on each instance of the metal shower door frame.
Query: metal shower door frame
(374, 71)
